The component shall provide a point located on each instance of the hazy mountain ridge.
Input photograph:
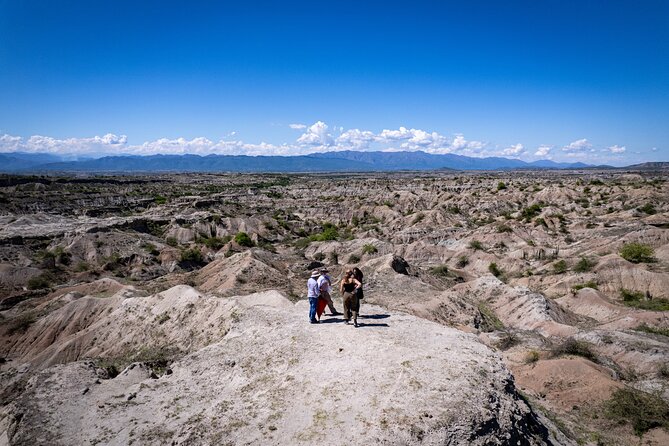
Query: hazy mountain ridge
(345, 161)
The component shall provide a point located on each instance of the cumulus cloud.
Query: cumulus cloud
(617, 149)
(514, 150)
(578, 145)
(542, 151)
(109, 143)
(356, 139)
(316, 135)
(297, 126)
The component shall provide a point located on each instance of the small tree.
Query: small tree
(637, 253)
(243, 239)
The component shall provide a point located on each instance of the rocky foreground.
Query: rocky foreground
(500, 308)
(258, 374)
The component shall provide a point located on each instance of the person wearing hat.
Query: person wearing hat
(313, 292)
(325, 287)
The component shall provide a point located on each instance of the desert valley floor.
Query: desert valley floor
(522, 307)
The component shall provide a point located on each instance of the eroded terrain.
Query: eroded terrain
(529, 306)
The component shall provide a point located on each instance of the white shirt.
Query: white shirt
(313, 290)
(325, 278)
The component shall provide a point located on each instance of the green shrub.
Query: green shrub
(159, 199)
(588, 284)
(243, 239)
(501, 185)
(647, 209)
(642, 410)
(494, 269)
(172, 241)
(369, 249)
(192, 255)
(476, 245)
(353, 258)
(329, 232)
(214, 243)
(530, 212)
(560, 267)
(584, 265)
(637, 253)
(151, 249)
(631, 295)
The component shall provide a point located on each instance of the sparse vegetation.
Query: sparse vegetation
(575, 347)
(462, 262)
(560, 267)
(488, 320)
(532, 356)
(243, 239)
(192, 255)
(504, 228)
(637, 253)
(588, 284)
(494, 269)
(642, 410)
(501, 185)
(584, 265)
(329, 232)
(441, 270)
(654, 330)
(369, 249)
(476, 245)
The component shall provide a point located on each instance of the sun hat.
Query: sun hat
(324, 270)
(315, 273)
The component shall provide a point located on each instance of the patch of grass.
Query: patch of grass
(150, 248)
(214, 243)
(243, 239)
(353, 258)
(637, 299)
(162, 318)
(574, 347)
(588, 284)
(369, 249)
(462, 262)
(531, 357)
(172, 241)
(560, 267)
(647, 209)
(441, 270)
(584, 265)
(159, 199)
(653, 330)
(495, 270)
(642, 410)
(488, 319)
(333, 258)
(504, 228)
(637, 253)
(476, 245)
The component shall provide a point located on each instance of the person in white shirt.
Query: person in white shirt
(313, 292)
(325, 287)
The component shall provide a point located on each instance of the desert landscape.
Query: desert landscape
(519, 307)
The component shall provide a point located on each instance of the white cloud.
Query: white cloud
(356, 139)
(580, 144)
(514, 150)
(542, 151)
(316, 135)
(617, 149)
(297, 126)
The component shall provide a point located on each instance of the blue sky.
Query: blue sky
(567, 80)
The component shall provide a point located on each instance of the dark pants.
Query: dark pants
(351, 306)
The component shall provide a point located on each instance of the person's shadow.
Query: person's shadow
(332, 320)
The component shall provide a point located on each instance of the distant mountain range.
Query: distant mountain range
(345, 161)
